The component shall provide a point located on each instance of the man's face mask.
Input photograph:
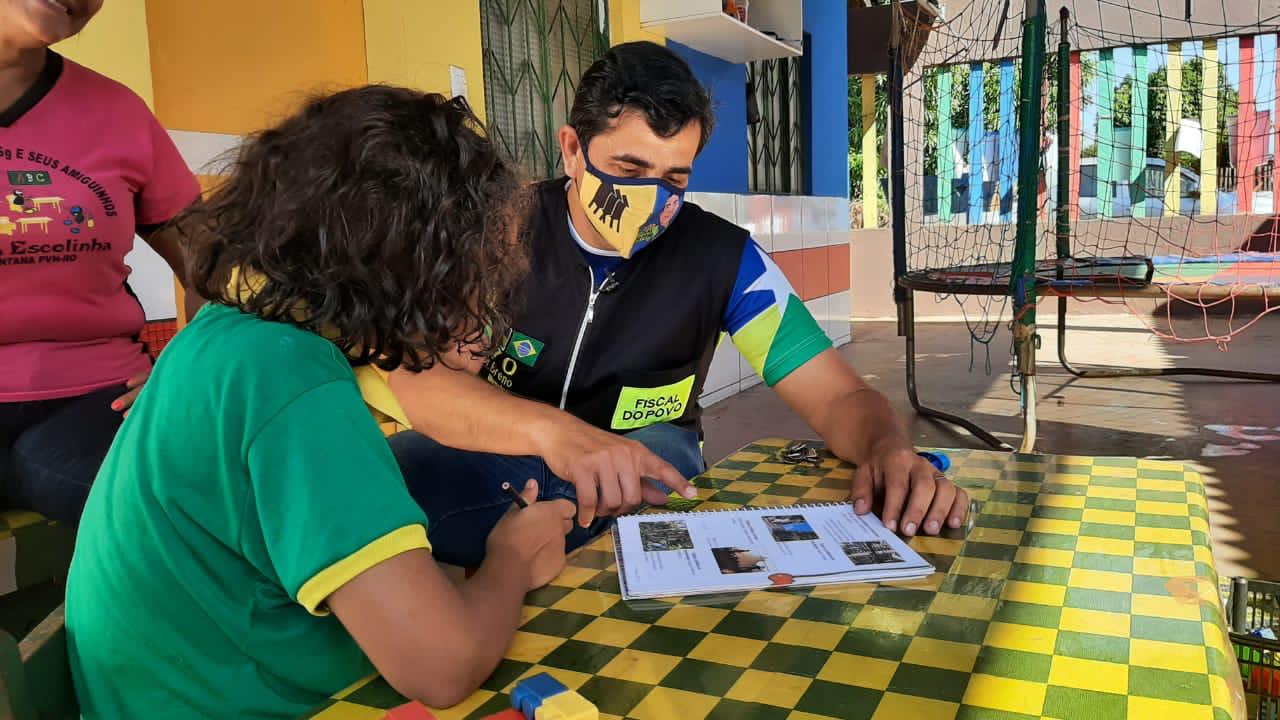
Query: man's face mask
(629, 213)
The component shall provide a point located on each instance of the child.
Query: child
(250, 494)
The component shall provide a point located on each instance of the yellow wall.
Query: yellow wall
(115, 44)
(624, 24)
(235, 66)
(413, 43)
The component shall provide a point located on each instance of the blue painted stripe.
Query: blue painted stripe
(976, 131)
(1008, 142)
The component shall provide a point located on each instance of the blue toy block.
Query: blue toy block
(938, 460)
(529, 694)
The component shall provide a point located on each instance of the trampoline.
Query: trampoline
(1242, 275)
(1135, 209)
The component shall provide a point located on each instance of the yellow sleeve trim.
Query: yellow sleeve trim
(315, 591)
(377, 395)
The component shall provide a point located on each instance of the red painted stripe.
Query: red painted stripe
(791, 262)
(1246, 155)
(1077, 132)
(816, 280)
(810, 270)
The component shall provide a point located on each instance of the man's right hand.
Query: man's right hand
(610, 473)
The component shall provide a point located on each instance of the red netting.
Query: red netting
(155, 335)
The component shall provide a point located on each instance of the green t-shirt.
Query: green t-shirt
(246, 485)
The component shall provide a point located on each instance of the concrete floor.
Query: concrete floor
(1228, 430)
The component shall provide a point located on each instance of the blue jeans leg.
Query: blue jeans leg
(461, 491)
(50, 451)
(675, 444)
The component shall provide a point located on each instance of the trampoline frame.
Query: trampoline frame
(907, 329)
(1026, 338)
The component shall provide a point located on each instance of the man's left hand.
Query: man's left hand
(916, 496)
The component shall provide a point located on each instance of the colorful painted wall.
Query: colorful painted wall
(214, 72)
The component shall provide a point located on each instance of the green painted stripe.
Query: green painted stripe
(1138, 146)
(946, 161)
(1105, 80)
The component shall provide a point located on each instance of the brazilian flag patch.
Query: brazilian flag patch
(524, 348)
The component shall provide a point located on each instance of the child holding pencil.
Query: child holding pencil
(249, 547)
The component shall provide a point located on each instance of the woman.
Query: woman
(84, 165)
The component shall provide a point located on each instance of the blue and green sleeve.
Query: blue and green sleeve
(768, 322)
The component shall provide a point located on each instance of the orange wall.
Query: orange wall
(234, 66)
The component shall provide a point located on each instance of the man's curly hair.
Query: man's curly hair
(381, 218)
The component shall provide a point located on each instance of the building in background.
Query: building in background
(776, 164)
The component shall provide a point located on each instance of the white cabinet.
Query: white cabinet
(774, 28)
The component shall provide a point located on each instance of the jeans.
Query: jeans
(50, 451)
(461, 491)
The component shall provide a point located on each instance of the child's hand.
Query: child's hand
(533, 538)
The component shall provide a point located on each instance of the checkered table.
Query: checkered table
(33, 550)
(1086, 589)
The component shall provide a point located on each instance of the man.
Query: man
(595, 393)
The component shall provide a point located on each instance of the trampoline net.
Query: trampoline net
(1169, 158)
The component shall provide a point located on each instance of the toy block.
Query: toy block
(508, 714)
(532, 691)
(409, 711)
(567, 706)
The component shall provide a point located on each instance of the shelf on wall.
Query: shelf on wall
(701, 25)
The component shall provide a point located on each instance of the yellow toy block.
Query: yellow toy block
(567, 706)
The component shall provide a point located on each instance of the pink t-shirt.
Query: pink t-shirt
(83, 163)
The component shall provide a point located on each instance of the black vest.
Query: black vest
(635, 351)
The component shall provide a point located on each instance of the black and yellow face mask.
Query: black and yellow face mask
(629, 213)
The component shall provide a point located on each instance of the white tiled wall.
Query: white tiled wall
(151, 280)
(778, 223)
(755, 213)
(725, 369)
(749, 377)
(787, 223)
(840, 308)
(150, 276)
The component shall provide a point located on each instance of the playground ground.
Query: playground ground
(1230, 430)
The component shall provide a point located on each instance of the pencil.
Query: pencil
(515, 496)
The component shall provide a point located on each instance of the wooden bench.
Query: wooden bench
(35, 674)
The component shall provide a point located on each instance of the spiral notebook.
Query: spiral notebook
(698, 553)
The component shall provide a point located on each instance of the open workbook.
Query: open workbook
(697, 553)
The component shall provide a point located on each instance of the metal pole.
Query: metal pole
(897, 163)
(1022, 277)
(1064, 172)
(1064, 147)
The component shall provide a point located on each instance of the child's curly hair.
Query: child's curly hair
(381, 218)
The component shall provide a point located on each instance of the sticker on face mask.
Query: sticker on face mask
(642, 407)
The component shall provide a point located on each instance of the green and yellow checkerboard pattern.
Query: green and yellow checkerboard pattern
(1085, 589)
(32, 550)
